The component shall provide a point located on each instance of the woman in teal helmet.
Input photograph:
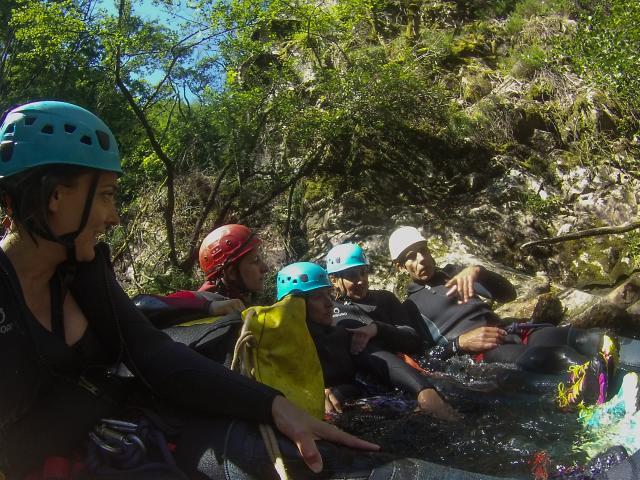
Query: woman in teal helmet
(64, 319)
(334, 345)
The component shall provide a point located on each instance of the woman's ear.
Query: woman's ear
(54, 199)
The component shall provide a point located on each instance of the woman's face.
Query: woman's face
(320, 306)
(252, 269)
(67, 205)
(352, 282)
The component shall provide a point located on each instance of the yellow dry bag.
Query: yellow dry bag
(282, 354)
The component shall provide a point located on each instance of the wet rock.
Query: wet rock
(608, 316)
(548, 309)
(626, 294)
(576, 301)
(518, 310)
(634, 311)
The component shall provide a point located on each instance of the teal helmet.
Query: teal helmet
(347, 255)
(301, 277)
(49, 132)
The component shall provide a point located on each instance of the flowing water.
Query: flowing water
(508, 429)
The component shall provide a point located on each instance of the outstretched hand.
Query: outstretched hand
(361, 336)
(303, 430)
(462, 284)
(481, 339)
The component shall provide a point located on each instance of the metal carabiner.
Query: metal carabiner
(121, 425)
(104, 445)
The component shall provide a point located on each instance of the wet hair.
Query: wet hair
(25, 196)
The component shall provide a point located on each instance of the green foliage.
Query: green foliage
(632, 247)
(605, 49)
(541, 207)
(364, 104)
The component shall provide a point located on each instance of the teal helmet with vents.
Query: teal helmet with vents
(50, 132)
(301, 277)
(344, 256)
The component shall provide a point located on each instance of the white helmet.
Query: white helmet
(403, 238)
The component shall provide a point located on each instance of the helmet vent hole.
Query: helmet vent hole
(29, 120)
(86, 139)
(48, 129)
(69, 128)
(103, 140)
(304, 277)
(6, 150)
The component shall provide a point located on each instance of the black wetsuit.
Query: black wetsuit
(378, 358)
(440, 319)
(52, 394)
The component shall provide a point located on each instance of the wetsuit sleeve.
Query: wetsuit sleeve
(395, 329)
(170, 369)
(499, 288)
(418, 324)
(170, 310)
(399, 339)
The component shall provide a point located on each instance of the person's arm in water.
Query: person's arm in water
(462, 282)
(179, 374)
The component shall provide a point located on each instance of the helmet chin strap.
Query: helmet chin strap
(67, 240)
(238, 287)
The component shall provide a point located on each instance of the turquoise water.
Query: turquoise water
(506, 425)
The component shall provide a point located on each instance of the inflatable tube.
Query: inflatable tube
(628, 469)
(630, 354)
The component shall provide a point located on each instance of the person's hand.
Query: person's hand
(217, 308)
(360, 337)
(462, 284)
(303, 430)
(481, 339)
(331, 402)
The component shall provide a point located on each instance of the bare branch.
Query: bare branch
(591, 232)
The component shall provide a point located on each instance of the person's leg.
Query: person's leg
(392, 370)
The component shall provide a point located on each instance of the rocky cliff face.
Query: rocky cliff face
(564, 167)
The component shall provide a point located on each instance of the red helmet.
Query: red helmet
(225, 246)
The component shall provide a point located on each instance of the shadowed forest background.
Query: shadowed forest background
(323, 121)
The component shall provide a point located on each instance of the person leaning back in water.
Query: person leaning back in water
(445, 303)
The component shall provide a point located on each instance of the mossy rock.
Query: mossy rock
(596, 261)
